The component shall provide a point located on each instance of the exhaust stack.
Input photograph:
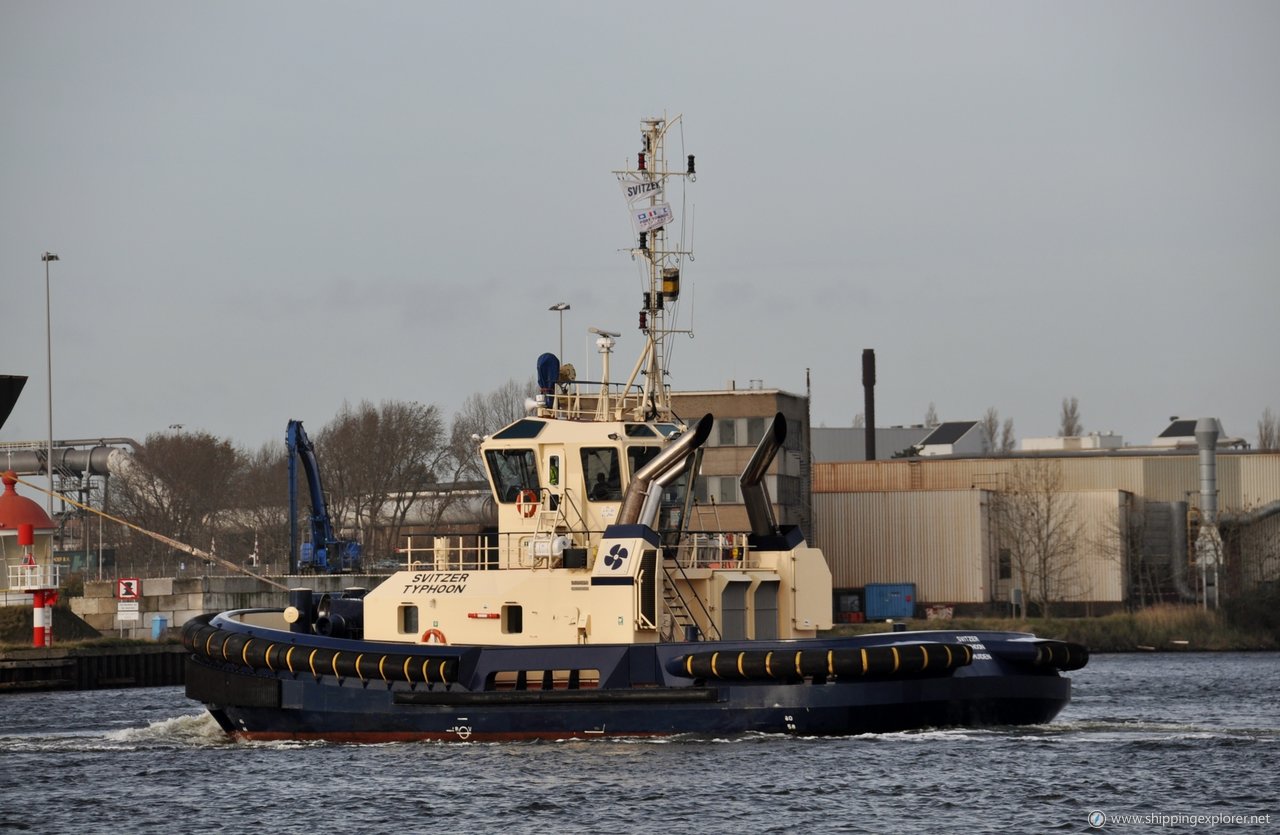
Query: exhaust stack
(634, 499)
(755, 495)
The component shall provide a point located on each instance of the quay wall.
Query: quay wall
(91, 668)
(176, 600)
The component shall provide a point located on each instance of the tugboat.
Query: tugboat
(595, 611)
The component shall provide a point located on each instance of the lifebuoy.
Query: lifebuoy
(527, 503)
(433, 633)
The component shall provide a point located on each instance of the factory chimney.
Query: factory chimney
(869, 391)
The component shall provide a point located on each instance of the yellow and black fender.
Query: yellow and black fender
(260, 654)
(898, 660)
(1055, 655)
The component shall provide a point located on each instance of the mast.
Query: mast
(652, 217)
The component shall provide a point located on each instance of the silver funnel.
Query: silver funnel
(755, 495)
(671, 456)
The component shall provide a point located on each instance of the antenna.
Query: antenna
(652, 216)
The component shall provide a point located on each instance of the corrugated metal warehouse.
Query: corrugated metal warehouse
(929, 521)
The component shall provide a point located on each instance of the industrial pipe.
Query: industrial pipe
(100, 460)
(1207, 441)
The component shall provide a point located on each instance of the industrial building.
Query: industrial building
(1134, 514)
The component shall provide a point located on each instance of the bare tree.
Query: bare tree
(481, 415)
(182, 485)
(996, 437)
(487, 412)
(1070, 426)
(989, 427)
(376, 462)
(1035, 519)
(261, 513)
(1007, 441)
(1252, 540)
(1268, 430)
(931, 416)
(1138, 539)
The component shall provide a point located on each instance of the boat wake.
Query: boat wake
(187, 731)
(191, 731)
(1121, 729)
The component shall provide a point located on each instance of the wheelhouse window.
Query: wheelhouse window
(600, 469)
(512, 470)
(526, 428)
(638, 456)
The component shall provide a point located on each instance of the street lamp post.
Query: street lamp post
(559, 307)
(48, 352)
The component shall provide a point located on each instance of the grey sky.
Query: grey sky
(265, 209)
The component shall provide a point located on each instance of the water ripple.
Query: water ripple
(1116, 748)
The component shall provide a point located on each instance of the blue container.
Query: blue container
(159, 623)
(890, 600)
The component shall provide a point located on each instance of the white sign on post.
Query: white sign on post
(127, 610)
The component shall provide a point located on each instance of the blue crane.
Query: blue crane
(326, 552)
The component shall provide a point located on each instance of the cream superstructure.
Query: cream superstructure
(592, 497)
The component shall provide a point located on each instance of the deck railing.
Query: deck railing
(524, 550)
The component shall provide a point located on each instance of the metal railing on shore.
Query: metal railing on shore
(28, 577)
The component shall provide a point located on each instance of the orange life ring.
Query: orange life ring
(527, 503)
(433, 633)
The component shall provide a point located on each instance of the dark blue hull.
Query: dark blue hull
(270, 684)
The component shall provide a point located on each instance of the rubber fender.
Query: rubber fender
(1056, 655)
(260, 653)
(417, 668)
(192, 629)
(899, 660)
(245, 650)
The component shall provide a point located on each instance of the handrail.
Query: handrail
(702, 604)
(514, 550)
(28, 577)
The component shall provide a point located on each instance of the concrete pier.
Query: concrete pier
(176, 600)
